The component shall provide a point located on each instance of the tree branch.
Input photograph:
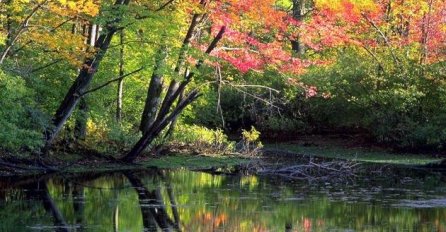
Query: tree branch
(384, 37)
(164, 5)
(21, 28)
(46, 66)
(110, 81)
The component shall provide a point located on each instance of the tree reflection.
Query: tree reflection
(152, 206)
(40, 190)
(149, 200)
(78, 195)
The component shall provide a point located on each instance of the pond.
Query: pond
(171, 200)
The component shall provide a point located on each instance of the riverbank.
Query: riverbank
(350, 148)
(84, 160)
(173, 161)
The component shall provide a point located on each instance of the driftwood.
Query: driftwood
(295, 166)
(313, 170)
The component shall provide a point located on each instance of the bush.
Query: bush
(204, 139)
(21, 123)
(400, 106)
(250, 143)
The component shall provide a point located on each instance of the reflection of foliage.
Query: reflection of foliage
(233, 203)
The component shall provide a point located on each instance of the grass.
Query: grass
(194, 162)
(171, 162)
(358, 154)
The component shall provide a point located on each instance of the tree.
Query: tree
(86, 74)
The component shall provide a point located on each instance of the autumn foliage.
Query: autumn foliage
(45, 39)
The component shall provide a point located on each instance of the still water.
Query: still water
(171, 200)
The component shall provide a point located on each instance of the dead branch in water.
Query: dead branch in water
(310, 170)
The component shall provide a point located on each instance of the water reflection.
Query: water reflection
(161, 200)
(152, 206)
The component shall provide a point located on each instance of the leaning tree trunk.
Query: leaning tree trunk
(86, 74)
(155, 89)
(181, 58)
(164, 118)
(80, 127)
(40, 190)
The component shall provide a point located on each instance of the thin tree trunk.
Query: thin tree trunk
(86, 74)
(425, 34)
(181, 58)
(121, 80)
(188, 38)
(298, 14)
(79, 205)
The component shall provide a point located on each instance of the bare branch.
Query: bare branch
(384, 37)
(46, 66)
(20, 29)
(259, 86)
(374, 57)
(164, 5)
(110, 81)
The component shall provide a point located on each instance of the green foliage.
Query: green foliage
(109, 137)
(251, 141)
(20, 122)
(251, 136)
(203, 138)
(402, 105)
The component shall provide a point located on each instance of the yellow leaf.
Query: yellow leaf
(71, 5)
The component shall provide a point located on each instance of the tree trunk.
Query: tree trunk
(80, 127)
(154, 91)
(298, 14)
(121, 80)
(156, 128)
(163, 119)
(86, 74)
(181, 58)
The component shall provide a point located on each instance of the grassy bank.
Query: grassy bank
(193, 162)
(363, 154)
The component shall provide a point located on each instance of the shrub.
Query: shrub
(251, 141)
(202, 138)
(21, 123)
(402, 106)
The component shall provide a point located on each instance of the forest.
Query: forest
(222, 115)
(125, 77)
